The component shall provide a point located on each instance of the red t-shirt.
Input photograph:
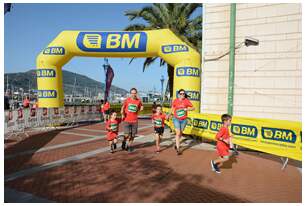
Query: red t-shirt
(106, 106)
(179, 106)
(222, 146)
(102, 108)
(131, 108)
(159, 120)
(112, 125)
(26, 103)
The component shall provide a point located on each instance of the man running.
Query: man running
(129, 111)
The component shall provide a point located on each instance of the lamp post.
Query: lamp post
(162, 89)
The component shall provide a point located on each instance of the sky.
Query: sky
(29, 28)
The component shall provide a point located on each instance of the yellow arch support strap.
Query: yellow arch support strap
(162, 43)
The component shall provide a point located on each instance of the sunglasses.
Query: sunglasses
(182, 93)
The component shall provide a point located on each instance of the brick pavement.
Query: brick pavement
(144, 176)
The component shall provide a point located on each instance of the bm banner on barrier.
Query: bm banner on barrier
(278, 137)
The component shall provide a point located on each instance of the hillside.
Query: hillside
(23, 79)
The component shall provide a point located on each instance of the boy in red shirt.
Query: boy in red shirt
(223, 143)
(129, 111)
(158, 119)
(112, 126)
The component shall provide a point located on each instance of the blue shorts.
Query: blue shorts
(179, 124)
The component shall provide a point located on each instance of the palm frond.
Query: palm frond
(148, 62)
(190, 8)
(132, 14)
(135, 27)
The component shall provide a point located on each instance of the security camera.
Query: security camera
(249, 41)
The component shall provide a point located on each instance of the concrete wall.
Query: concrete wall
(268, 77)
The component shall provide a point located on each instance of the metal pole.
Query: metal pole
(162, 89)
(231, 60)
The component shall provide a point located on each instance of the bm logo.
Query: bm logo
(172, 48)
(200, 123)
(244, 130)
(45, 73)
(188, 71)
(215, 125)
(282, 135)
(54, 51)
(112, 41)
(192, 95)
(47, 94)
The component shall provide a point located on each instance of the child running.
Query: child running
(223, 143)
(158, 119)
(112, 127)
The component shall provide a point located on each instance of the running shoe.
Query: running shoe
(218, 170)
(178, 152)
(235, 152)
(212, 164)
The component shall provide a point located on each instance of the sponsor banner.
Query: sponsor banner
(56, 50)
(278, 137)
(174, 48)
(187, 72)
(47, 93)
(112, 41)
(44, 73)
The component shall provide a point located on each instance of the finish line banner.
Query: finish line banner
(278, 137)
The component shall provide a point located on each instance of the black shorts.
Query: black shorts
(159, 130)
(130, 129)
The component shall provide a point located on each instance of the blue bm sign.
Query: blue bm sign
(187, 71)
(54, 51)
(172, 48)
(112, 41)
(47, 93)
(45, 73)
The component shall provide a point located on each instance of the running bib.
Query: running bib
(114, 127)
(132, 108)
(158, 123)
(180, 113)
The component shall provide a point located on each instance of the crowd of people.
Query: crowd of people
(17, 105)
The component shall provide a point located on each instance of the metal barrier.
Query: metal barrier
(18, 121)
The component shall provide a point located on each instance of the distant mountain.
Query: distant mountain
(83, 83)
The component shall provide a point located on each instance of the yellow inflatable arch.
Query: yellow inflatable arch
(162, 43)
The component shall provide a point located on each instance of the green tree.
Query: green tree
(177, 18)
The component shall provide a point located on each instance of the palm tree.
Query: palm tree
(177, 18)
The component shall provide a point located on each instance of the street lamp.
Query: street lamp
(162, 89)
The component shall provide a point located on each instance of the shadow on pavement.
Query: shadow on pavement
(33, 143)
(139, 177)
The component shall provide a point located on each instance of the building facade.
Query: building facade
(268, 77)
